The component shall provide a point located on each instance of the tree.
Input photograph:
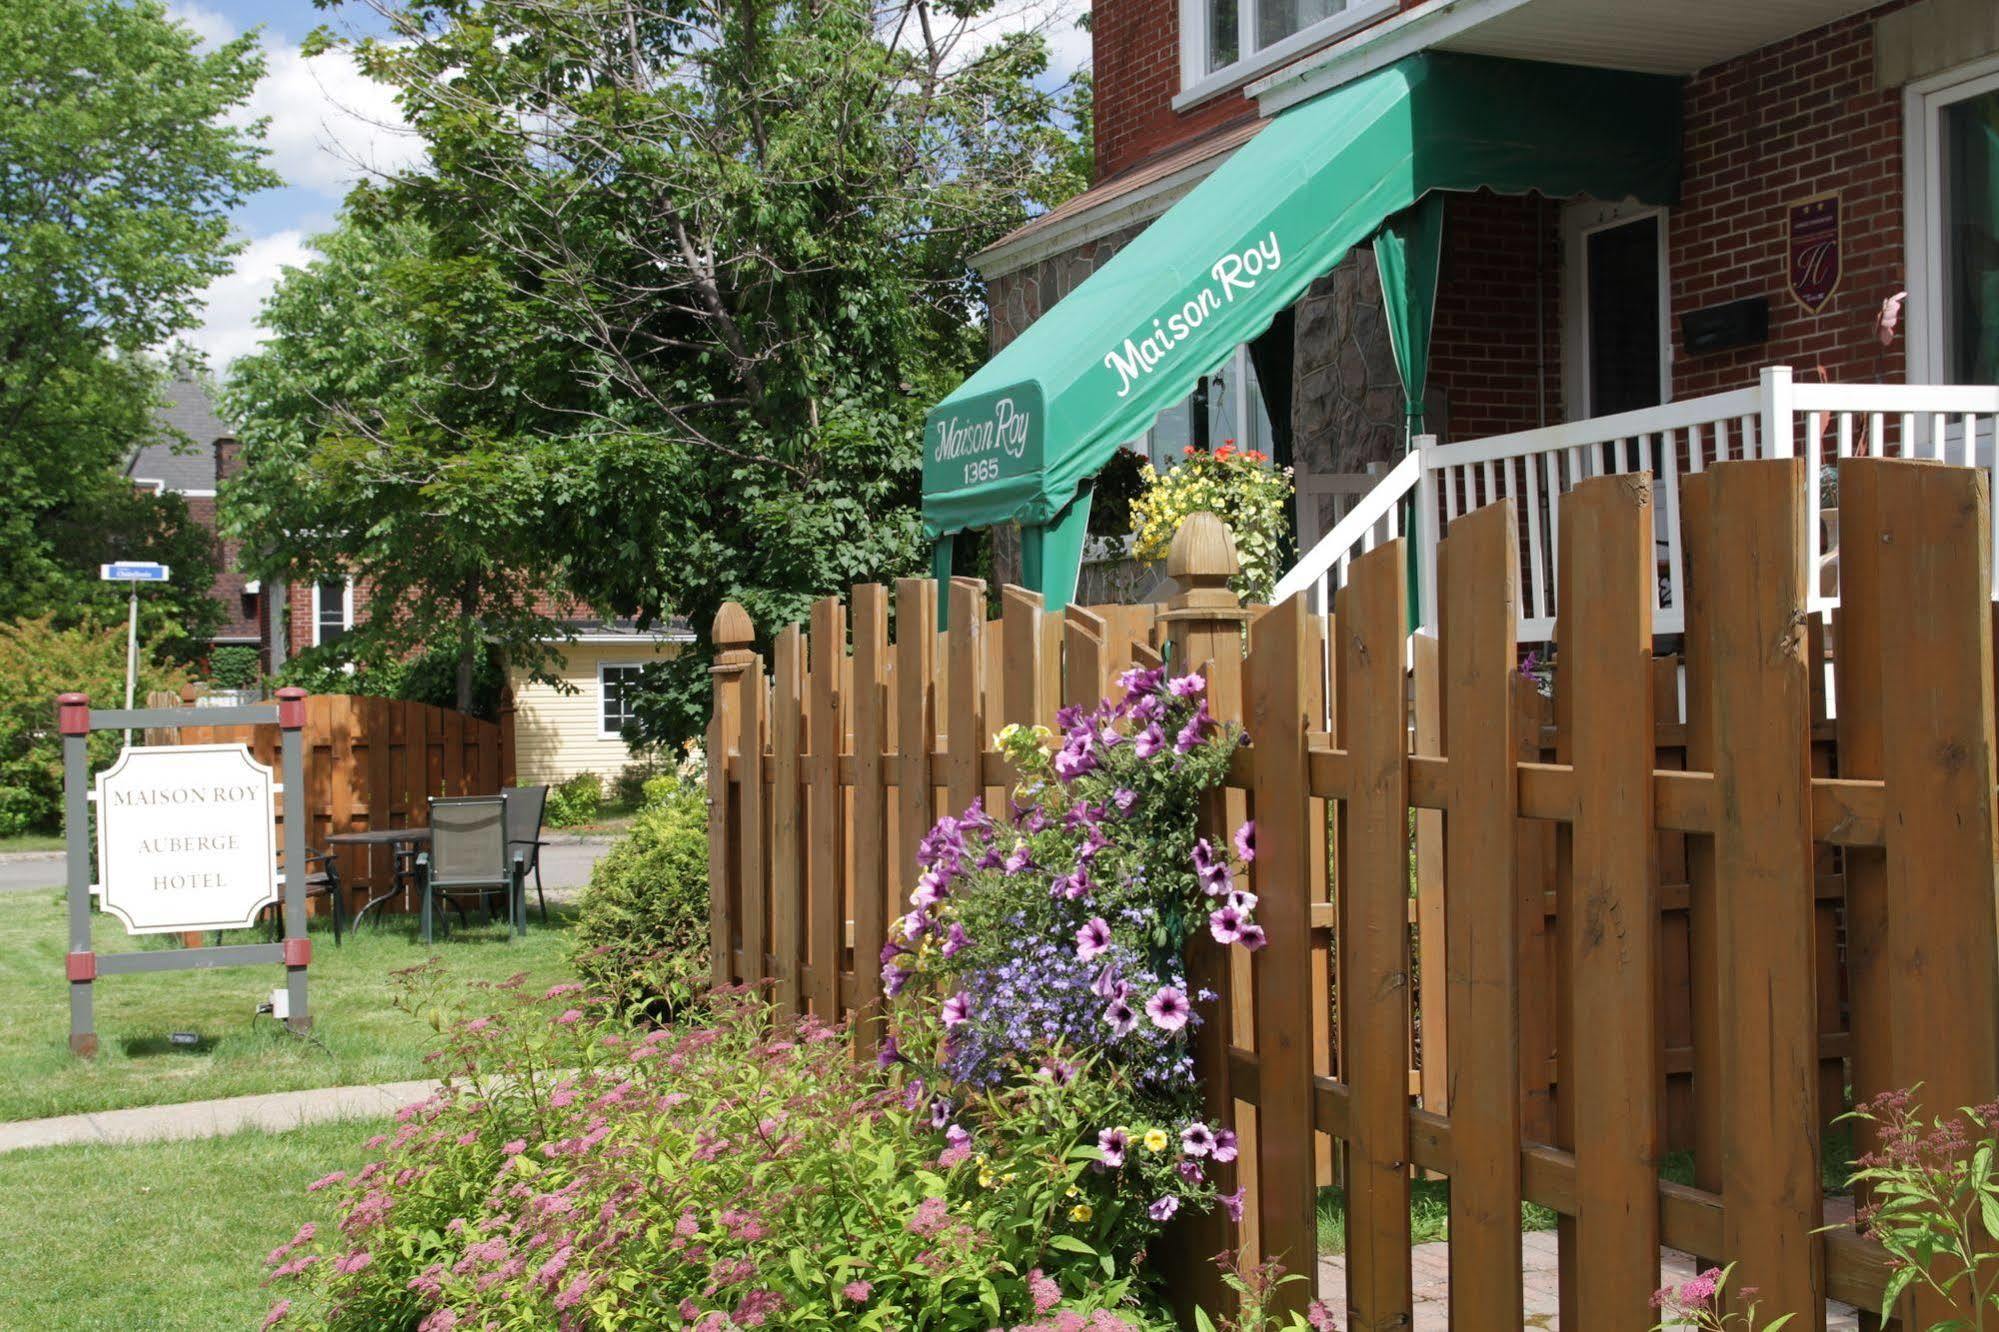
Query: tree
(121, 166)
(740, 231)
(395, 429)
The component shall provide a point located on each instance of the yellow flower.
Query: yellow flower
(1155, 1140)
(985, 1178)
(1081, 1212)
(1071, 1192)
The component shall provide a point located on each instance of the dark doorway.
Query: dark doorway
(1623, 276)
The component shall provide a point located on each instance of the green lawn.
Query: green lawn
(161, 1236)
(32, 842)
(357, 1037)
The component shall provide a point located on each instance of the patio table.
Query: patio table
(415, 839)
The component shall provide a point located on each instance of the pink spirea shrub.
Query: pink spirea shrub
(733, 1173)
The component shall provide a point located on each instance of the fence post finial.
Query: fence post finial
(1202, 559)
(732, 631)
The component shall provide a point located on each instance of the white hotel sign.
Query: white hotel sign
(185, 838)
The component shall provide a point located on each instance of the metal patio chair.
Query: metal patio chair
(323, 881)
(524, 811)
(469, 856)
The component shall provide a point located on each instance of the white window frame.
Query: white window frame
(346, 608)
(1923, 102)
(1198, 85)
(1237, 363)
(604, 733)
(1579, 222)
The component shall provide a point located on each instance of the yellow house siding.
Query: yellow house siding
(558, 734)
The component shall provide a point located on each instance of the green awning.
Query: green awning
(1018, 438)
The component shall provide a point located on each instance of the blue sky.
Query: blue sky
(329, 126)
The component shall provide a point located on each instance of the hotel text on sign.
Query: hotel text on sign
(185, 838)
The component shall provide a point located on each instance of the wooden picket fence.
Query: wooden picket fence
(1636, 925)
(375, 763)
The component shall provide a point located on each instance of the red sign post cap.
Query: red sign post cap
(298, 952)
(73, 714)
(81, 966)
(291, 708)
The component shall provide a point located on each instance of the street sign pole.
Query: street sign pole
(133, 572)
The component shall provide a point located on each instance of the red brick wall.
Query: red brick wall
(1483, 350)
(1136, 58)
(1775, 126)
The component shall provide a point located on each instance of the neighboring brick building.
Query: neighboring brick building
(195, 468)
(1558, 308)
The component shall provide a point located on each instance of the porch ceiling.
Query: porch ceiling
(1644, 35)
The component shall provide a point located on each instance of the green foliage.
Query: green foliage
(757, 1175)
(642, 937)
(578, 800)
(1240, 487)
(234, 666)
(1933, 1190)
(37, 662)
(428, 677)
(125, 152)
(658, 320)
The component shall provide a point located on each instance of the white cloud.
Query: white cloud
(229, 329)
(208, 24)
(330, 124)
(1055, 20)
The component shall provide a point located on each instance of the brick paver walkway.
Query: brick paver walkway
(1430, 1266)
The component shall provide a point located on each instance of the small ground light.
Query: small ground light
(184, 1038)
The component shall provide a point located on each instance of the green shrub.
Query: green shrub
(578, 800)
(642, 937)
(37, 662)
(233, 667)
(739, 1172)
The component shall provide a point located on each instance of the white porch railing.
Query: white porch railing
(1777, 418)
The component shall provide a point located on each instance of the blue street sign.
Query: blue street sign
(133, 571)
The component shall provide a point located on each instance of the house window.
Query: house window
(1236, 415)
(1224, 43)
(617, 687)
(332, 610)
(1953, 142)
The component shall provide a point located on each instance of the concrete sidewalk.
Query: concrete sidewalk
(273, 1112)
(1430, 1267)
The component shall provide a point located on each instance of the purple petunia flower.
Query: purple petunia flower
(1197, 1139)
(893, 980)
(1197, 729)
(1186, 686)
(1164, 1208)
(1245, 842)
(1225, 923)
(1241, 899)
(1190, 1170)
(1075, 886)
(929, 890)
(1108, 986)
(1232, 1203)
(957, 1009)
(956, 941)
(1113, 1143)
(1125, 798)
(1168, 1008)
(1252, 937)
(1018, 859)
(1225, 1145)
(1122, 1017)
(940, 1112)
(890, 1053)
(1149, 742)
(1093, 939)
(1211, 869)
(914, 925)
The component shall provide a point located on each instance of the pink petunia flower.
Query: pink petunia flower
(1245, 842)
(1093, 939)
(1163, 1209)
(1252, 937)
(1225, 924)
(957, 1009)
(1168, 1008)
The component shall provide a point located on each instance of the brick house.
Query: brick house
(197, 473)
(1825, 156)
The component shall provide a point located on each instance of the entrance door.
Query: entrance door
(1616, 351)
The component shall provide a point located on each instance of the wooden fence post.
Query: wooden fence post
(1942, 964)
(733, 635)
(1760, 705)
(1204, 627)
(787, 877)
(826, 920)
(870, 825)
(1478, 569)
(965, 724)
(1278, 683)
(1699, 587)
(1373, 937)
(1612, 1067)
(915, 670)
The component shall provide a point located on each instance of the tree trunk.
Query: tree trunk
(468, 642)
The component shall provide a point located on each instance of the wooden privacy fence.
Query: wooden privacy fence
(375, 763)
(1639, 927)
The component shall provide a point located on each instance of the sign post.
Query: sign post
(133, 572)
(185, 842)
